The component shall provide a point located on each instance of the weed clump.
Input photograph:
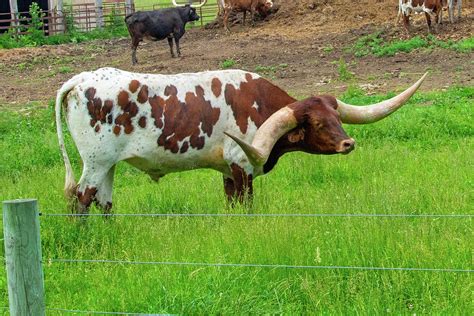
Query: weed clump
(374, 44)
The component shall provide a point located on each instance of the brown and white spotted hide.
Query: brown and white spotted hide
(162, 124)
(431, 9)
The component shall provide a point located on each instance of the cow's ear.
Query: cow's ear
(296, 135)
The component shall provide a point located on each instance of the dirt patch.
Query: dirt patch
(299, 48)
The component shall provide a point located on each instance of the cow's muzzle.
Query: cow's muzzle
(346, 146)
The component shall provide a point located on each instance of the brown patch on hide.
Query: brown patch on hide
(184, 119)
(267, 97)
(130, 110)
(216, 87)
(98, 111)
(143, 94)
(142, 122)
(157, 106)
(133, 86)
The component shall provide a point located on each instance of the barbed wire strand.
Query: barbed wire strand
(100, 313)
(262, 215)
(255, 265)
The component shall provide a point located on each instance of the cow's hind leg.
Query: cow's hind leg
(91, 181)
(104, 194)
(170, 42)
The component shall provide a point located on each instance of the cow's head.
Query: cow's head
(314, 125)
(192, 15)
(264, 7)
(190, 9)
(318, 127)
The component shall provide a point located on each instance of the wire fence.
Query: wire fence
(75, 311)
(262, 215)
(49, 261)
(256, 265)
(248, 265)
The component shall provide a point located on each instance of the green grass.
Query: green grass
(227, 63)
(343, 71)
(376, 45)
(418, 161)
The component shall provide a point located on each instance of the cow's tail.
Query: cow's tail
(70, 183)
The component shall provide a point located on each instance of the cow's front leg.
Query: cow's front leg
(226, 19)
(170, 42)
(178, 50)
(406, 22)
(252, 16)
(135, 43)
(240, 187)
(428, 21)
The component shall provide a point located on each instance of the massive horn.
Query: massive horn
(372, 113)
(284, 121)
(190, 3)
(267, 135)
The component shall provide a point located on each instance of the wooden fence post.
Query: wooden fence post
(21, 232)
(129, 5)
(14, 15)
(99, 18)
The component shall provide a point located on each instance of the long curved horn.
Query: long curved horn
(194, 6)
(199, 5)
(267, 135)
(372, 113)
(176, 4)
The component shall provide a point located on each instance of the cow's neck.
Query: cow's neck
(282, 146)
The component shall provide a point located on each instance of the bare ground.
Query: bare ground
(298, 48)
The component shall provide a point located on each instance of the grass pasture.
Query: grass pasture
(419, 161)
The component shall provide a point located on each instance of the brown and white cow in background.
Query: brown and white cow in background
(260, 6)
(431, 9)
(169, 123)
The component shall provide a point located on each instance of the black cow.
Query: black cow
(159, 24)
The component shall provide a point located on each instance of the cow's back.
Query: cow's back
(156, 25)
(172, 121)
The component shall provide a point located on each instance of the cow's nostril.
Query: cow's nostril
(348, 143)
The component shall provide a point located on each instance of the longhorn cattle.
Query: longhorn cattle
(169, 23)
(260, 6)
(168, 123)
(431, 8)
